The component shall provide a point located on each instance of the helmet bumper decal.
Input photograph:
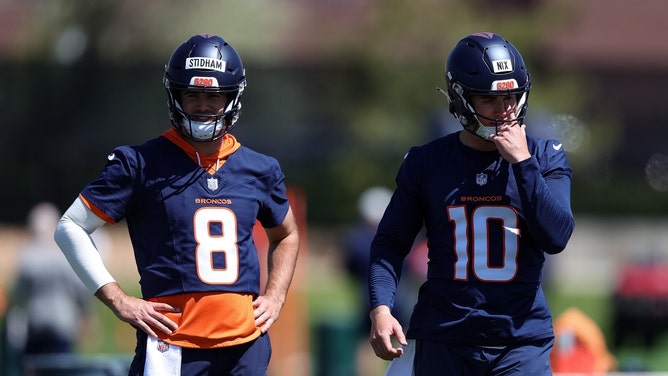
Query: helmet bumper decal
(204, 81)
(504, 85)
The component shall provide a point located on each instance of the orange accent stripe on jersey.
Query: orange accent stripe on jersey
(210, 162)
(210, 320)
(97, 211)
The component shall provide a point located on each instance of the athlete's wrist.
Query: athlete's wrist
(111, 294)
(380, 310)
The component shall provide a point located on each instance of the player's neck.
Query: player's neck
(207, 147)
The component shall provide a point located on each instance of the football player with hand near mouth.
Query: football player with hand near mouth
(493, 202)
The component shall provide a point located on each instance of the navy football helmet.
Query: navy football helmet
(485, 64)
(205, 63)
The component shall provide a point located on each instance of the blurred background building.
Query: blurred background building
(338, 91)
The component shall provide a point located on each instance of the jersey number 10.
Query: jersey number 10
(482, 218)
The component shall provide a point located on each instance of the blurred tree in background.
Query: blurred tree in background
(338, 90)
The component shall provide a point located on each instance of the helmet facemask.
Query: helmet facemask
(459, 99)
(204, 127)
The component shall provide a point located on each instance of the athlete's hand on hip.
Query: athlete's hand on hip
(139, 313)
(148, 316)
(383, 327)
(266, 310)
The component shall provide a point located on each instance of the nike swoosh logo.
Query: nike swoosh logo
(111, 156)
(556, 147)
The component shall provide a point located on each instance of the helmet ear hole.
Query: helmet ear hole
(458, 108)
(455, 102)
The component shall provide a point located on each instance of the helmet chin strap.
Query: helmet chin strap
(480, 129)
(483, 131)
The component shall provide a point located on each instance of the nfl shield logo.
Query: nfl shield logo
(162, 346)
(481, 179)
(212, 183)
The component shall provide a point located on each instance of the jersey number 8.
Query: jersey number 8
(208, 244)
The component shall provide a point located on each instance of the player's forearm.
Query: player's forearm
(282, 262)
(386, 258)
(282, 257)
(384, 274)
(546, 206)
(73, 237)
(379, 310)
(111, 295)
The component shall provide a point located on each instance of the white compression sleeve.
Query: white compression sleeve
(73, 238)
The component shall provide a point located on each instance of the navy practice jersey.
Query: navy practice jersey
(191, 230)
(488, 225)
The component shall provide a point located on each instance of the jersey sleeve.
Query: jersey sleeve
(396, 233)
(274, 207)
(111, 191)
(544, 186)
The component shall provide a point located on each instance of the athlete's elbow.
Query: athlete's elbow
(559, 242)
(554, 250)
(556, 246)
(59, 234)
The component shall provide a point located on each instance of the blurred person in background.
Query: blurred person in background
(191, 198)
(49, 305)
(580, 346)
(371, 206)
(493, 202)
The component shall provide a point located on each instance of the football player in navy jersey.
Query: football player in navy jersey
(190, 198)
(493, 202)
